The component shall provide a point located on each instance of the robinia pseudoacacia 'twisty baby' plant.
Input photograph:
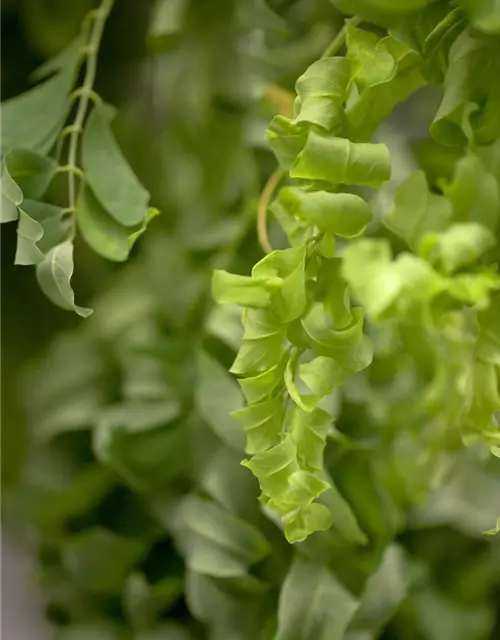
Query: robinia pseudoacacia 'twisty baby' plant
(305, 306)
(368, 360)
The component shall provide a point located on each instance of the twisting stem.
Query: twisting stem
(265, 197)
(339, 40)
(99, 17)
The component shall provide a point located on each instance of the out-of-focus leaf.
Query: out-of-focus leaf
(100, 561)
(144, 603)
(417, 211)
(384, 592)
(215, 542)
(483, 14)
(313, 604)
(474, 193)
(136, 442)
(217, 396)
(459, 246)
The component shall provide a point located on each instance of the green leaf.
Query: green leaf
(384, 591)
(12, 196)
(483, 14)
(309, 430)
(262, 343)
(341, 161)
(100, 231)
(230, 288)
(342, 214)
(299, 513)
(417, 211)
(99, 561)
(432, 33)
(322, 375)
(54, 275)
(226, 614)
(332, 291)
(166, 24)
(108, 173)
(257, 388)
(56, 226)
(31, 171)
(262, 423)
(459, 246)
(136, 440)
(29, 232)
(374, 64)
(313, 604)
(286, 140)
(34, 119)
(474, 193)
(144, 603)
(288, 268)
(349, 347)
(230, 485)
(216, 397)
(274, 467)
(215, 542)
(321, 92)
(471, 100)
(381, 86)
(342, 516)
(384, 287)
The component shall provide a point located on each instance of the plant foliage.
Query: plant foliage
(300, 460)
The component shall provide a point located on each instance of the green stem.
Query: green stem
(339, 40)
(99, 17)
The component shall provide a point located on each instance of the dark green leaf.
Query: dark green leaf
(100, 561)
(134, 440)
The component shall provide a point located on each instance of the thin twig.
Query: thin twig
(339, 40)
(99, 16)
(265, 198)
